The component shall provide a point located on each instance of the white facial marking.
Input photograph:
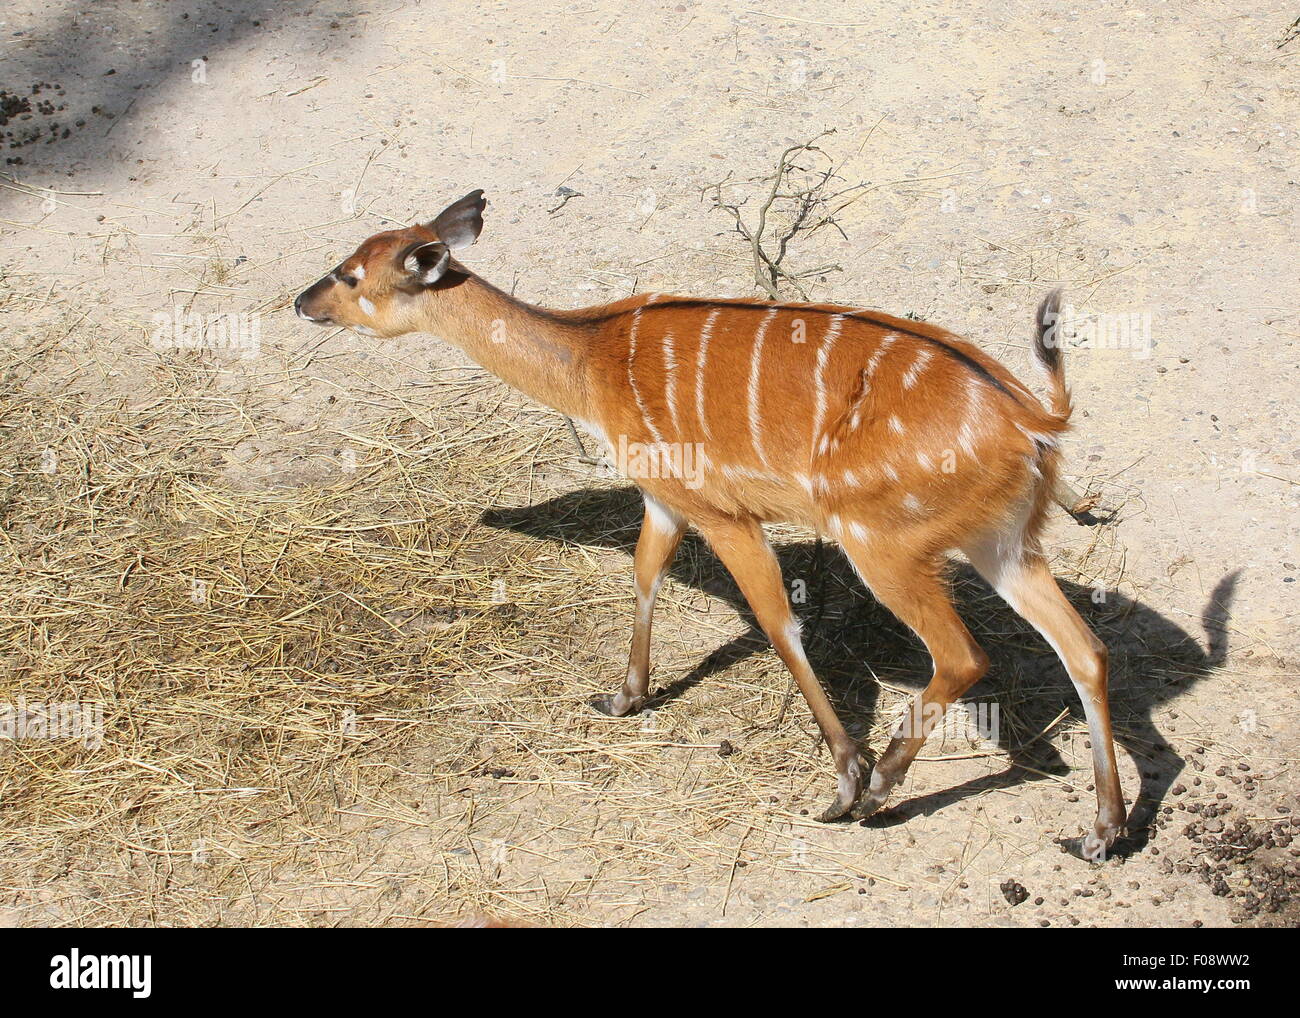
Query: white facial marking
(359, 272)
(366, 306)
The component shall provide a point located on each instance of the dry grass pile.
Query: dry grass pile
(360, 702)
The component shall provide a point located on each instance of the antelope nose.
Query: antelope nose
(297, 305)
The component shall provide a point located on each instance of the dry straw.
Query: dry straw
(363, 699)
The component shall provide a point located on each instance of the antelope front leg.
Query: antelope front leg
(661, 533)
(745, 552)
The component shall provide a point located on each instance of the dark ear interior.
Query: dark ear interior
(426, 263)
(459, 224)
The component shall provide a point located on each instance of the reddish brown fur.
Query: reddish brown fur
(894, 437)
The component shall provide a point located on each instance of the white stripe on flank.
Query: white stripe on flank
(966, 439)
(739, 473)
(823, 357)
(700, 358)
(885, 344)
(918, 365)
(631, 379)
(670, 381)
(755, 367)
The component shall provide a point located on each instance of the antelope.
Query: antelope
(894, 438)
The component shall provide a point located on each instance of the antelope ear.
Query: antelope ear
(426, 263)
(460, 223)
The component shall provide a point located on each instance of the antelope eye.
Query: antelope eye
(348, 280)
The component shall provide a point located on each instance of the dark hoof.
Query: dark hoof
(833, 812)
(848, 788)
(1096, 846)
(867, 806)
(605, 704)
(608, 704)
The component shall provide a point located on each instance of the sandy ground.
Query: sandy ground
(217, 157)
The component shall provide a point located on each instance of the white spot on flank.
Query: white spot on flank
(890, 472)
(924, 461)
(823, 358)
(755, 367)
(912, 503)
(834, 525)
(366, 306)
(631, 377)
(700, 358)
(805, 482)
(918, 365)
(850, 478)
(895, 425)
(859, 532)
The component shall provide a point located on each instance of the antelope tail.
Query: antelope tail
(1047, 351)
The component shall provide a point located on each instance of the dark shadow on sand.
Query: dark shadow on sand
(1152, 658)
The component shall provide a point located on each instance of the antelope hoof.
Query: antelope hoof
(616, 705)
(848, 789)
(1097, 845)
(866, 806)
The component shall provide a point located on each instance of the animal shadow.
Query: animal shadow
(848, 635)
